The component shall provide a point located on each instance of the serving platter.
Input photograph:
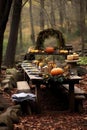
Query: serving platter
(71, 61)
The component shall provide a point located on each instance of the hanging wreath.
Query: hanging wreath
(45, 34)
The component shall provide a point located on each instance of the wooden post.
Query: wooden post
(71, 97)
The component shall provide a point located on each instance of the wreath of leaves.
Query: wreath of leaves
(45, 34)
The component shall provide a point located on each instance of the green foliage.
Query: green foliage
(83, 60)
(57, 78)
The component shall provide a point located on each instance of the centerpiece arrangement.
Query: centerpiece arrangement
(56, 46)
(50, 69)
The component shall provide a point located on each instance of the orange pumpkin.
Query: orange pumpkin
(56, 71)
(49, 49)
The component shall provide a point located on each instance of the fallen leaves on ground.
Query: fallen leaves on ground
(53, 121)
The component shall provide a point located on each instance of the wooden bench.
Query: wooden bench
(28, 106)
(79, 97)
(22, 86)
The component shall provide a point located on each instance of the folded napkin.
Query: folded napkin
(23, 96)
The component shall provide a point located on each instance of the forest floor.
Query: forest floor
(54, 113)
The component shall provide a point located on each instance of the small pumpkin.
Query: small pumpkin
(75, 56)
(70, 57)
(56, 71)
(49, 49)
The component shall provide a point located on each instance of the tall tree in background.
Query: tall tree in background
(80, 13)
(76, 11)
(20, 34)
(82, 22)
(31, 23)
(5, 6)
(20, 28)
(52, 14)
(41, 14)
(62, 11)
(12, 42)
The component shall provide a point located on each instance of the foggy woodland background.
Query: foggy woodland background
(28, 17)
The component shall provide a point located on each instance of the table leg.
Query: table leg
(71, 98)
(24, 76)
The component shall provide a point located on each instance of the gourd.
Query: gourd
(56, 71)
(69, 57)
(49, 49)
(75, 56)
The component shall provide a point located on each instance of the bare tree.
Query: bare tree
(12, 42)
(31, 22)
(61, 4)
(20, 34)
(5, 6)
(52, 14)
(42, 14)
(82, 22)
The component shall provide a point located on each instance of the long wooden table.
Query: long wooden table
(31, 73)
(72, 80)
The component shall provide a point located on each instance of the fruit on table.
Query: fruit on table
(75, 56)
(41, 64)
(69, 57)
(33, 50)
(49, 49)
(63, 51)
(56, 71)
(66, 51)
(35, 61)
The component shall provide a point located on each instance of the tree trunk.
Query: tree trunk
(12, 42)
(80, 11)
(82, 23)
(62, 10)
(41, 14)
(5, 6)
(20, 34)
(52, 15)
(76, 10)
(31, 22)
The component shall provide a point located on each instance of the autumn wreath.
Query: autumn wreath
(45, 34)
